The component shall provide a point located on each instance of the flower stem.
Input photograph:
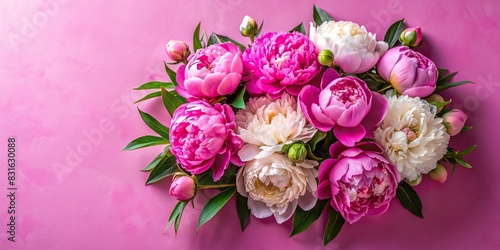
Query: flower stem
(251, 39)
(384, 89)
(217, 186)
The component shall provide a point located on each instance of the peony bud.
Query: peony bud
(325, 58)
(411, 37)
(454, 121)
(177, 50)
(297, 152)
(416, 181)
(439, 174)
(248, 27)
(183, 188)
(435, 98)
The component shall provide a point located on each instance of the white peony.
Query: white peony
(268, 124)
(275, 187)
(413, 139)
(355, 50)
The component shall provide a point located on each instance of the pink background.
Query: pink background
(67, 71)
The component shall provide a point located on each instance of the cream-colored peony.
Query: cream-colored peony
(355, 50)
(275, 187)
(413, 138)
(267, 124)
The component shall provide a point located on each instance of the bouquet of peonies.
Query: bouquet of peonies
(292, 125)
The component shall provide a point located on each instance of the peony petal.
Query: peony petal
(229, 84)
(349, 136)
(211, 83)
(336, 149)
(180, 75)
(423, 91)
(328, 77)
(193, 86)
(248, 152)
(259, 209)
(379, 210)
(307, 201)
(376, 115)
(280, 218)
(220, 164)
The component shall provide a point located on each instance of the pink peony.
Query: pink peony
(211, 72)
(183, 188)
(359, 180)
(177, 50)
(454, 121)
(409, 72)
(203, 136)
(279, 62)
(345, 103)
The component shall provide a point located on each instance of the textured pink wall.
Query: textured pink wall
(67, 71)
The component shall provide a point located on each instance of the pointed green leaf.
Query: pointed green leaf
(333, 226)
(146, 141)
(243, 211)
(158, 160)
(171, 74)
(299, 28)
(155, 85)
(212, 40)
(445, 78)
(441, 74)
(227, 39)
(214, 205)
(466, 151)
(260, 29)
(316, 138)
(168, 167)
(310, 154)
(320, 16)
(303, 219)
(171, 101)
(394, 31)
(466, 128)
(239, 101)
(409, 198)
(440, 104)
(149, 96)
(463, 163)
(154, 124)
(178, 209)
(196, 38)
(450, 85)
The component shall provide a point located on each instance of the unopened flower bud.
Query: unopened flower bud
(248, 27)
(183, 188)
(297, 152)
(325, 57)
(435, 98)
(411, 37)
(416, 181)
(454, 121)
(439, 174)
(177, 50)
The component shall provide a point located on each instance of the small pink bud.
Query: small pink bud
(177, 50)
(183, 188)
(454, 121)
(439, 174)
(411, 37)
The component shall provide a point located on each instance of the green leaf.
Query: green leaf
(149, 96)
(440, 104)
(466, 128)
(442, 74)
(462, 162)
(333, 226)
(157, 160)
(445, 78)
(212, 40)
(260, 28)
(394, 31)
(227, 39)
(409, 199)
(316, 138)
(320, 16)
(171, 101)
(214, 205)
(176, 213)
(310, 154)
(450, 85)
(154, 124)
(243, 211)
(196, 38)
(171, 74)
(168, 167)
(299, 28)
(303, 219)
(146, 141)
(466, 151)
(239, 101)
(155, 85)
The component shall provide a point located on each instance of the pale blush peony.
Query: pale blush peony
(359, 180)
(211, 72)
(267, 124)
(203, 136)
(280, 61)
(355, 50)
(275, 187)
(413, 138)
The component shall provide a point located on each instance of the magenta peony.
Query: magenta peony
(279, 62)
(211, 72)
(203, 137)
(183, 188)
(409, 72)
(359, 180)
(345, 103)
